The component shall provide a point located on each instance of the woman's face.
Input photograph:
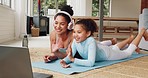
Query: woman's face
(60, 25)
(80, 34)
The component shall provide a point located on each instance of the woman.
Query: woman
(61, 36)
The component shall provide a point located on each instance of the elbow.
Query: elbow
(91, 64)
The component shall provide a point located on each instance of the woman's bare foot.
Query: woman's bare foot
(145, 35)
(114, 41)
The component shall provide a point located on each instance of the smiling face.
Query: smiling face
(80, 34)
(60, 25)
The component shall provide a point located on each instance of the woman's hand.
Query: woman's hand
(60, 43)
(56, 46)
(46, 58)
(64, 65)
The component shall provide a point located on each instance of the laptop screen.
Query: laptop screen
(15, 62)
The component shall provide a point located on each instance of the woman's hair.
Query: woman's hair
(68, 9)
(88, 25)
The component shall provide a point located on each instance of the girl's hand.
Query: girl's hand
(68, 49)
(71, 57)
(64, 65)
(69, 52)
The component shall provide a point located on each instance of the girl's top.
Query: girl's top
(90, 51)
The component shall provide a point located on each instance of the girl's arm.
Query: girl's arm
(64, 62)
(72, 50)
(91, 56)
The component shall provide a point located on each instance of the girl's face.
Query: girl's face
(60, 25)
(80, 34)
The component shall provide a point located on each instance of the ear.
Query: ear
(70, 26)
(88, 33)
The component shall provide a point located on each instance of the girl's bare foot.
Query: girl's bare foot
(145, 35)
(114, 41)
(131, 38)
(138, 50)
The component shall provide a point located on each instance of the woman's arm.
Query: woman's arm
(52, 40)
(54, 43)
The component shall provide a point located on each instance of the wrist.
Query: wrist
(54, 49)
(73, 59)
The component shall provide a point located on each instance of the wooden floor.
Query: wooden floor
(136, 68)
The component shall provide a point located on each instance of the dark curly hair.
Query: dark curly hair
(68, 9)
(88, 25)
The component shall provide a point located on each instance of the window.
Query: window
(5, 2)
(12, 5)
(46, 4)
(95, 7)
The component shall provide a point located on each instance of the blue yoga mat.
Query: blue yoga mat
(55, 66)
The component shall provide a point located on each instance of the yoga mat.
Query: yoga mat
(56, 67)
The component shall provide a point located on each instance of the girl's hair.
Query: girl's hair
(88, 25)
(68, 9)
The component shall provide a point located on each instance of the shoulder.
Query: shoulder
(53, 36)
(52, 32)
(91, 39)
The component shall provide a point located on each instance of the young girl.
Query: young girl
(91, 52)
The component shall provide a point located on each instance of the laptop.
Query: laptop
(15, 63)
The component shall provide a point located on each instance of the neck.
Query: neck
(63, 36)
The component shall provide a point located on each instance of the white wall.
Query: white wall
(20, 18)
(13, 22)
(125, 8)
(7, 24)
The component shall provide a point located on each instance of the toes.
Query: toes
(145, 35)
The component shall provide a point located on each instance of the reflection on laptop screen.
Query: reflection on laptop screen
(15, 63)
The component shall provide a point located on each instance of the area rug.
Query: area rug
(56, 67)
